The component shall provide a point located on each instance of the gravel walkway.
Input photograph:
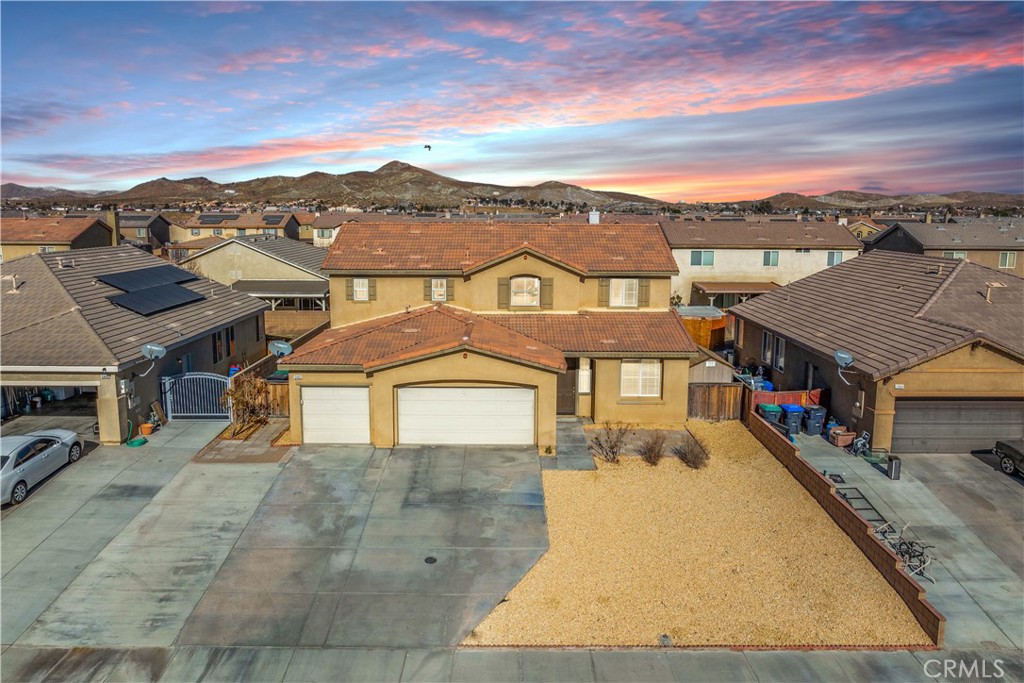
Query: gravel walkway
(735, 554)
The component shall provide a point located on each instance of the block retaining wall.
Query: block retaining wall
(853, 525)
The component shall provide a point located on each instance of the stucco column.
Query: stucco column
(111, 411)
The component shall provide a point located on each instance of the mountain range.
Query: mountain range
(400, 183)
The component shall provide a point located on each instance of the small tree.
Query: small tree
(249, 398)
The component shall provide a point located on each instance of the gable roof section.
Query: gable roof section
(961, 236)
(744, 235)
(608, 333)
(418, 334)
(198, 244)
(240, 220)
(457, 248)
(893, 310)
(45, 230)
(293, 252)
(69, 310)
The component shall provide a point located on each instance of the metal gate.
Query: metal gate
(194, 395)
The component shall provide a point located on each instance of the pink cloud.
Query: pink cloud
(207, 9)
(262, 59)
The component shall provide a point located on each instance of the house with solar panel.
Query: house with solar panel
(226, 225)
(285, 273)
(74, 326)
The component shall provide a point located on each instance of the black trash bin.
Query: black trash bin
(893, 468)
(814, 419)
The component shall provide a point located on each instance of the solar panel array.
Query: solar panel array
(217, 218)
(272, 220)
(133, 280)
(151, 290)
(155, 299)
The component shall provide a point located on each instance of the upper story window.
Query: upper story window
(624, 293)
(324, 233)
(803, 251)
(1007, 259)
(962, 255)
(834, 258)
(360, 289)
(771, 258)
(196, 232)
(702, 258)
(218, 231)
(140, 232)
(525, 291)
(47, 250)
(640, 378)
(269, 231)
(438, 289)
(240, 232)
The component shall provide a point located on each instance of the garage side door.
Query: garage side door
(477, 415)
(955, 426)
(335, 414)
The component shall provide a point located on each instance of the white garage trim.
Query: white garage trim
(467, 415)
(335, 414)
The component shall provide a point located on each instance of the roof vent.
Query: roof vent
(607, 341)
(957, 240)
(410, 330)
(65, 263)
(989, 286)
(531, 347)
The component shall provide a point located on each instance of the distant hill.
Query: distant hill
(849, 199)
(15, 191)
(394, 183)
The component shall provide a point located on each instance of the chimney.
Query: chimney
(595, 217)
(114, 222)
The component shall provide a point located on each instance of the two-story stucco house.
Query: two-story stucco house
(724, 262)
(236, 225)
(23, 236)
(483, 333)
(995, 243)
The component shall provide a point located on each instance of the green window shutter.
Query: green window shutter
(547, 293)
(643, 296)
(504, 292)
(427, 289)
(348, 289)
(603, 286)
(449, 289)
(371, 286)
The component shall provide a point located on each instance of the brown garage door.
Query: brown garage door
(955, 425)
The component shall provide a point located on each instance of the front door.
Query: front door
(567, 388)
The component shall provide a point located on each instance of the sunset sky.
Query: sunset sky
(679, 101)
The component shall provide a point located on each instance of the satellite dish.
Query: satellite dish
(153, 351)
(279, 348)
(843, 358)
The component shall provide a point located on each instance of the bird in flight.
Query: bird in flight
(426, 147)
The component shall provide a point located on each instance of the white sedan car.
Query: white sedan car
(26, 460)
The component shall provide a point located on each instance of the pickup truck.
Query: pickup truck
(1009, 454)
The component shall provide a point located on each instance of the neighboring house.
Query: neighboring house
(81, 322)
(995, 244)
(22, 236)
(486, 333)
(180, 251)
(149, 231)
(325, 227)
(236, 225)
(937, 345)
(722, 263)
(305, 220)
(285, 273)
(862, 227)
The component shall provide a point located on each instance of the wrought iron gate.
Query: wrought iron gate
(194, 395)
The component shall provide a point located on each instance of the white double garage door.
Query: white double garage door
(426, 415)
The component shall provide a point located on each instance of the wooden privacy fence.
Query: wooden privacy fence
(715, 401)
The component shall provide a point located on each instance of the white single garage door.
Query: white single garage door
(336, 414)
(466, 415)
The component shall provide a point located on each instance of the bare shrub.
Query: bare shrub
(610, 441)
(691, 452)
(249, 398)
(652, 446)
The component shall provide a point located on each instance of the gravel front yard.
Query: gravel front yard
(736, 553)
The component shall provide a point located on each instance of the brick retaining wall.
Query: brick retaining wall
(850, 521)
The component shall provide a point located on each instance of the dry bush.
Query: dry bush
(610, 441)
(691, 452)
(249, 398)
(652, 446)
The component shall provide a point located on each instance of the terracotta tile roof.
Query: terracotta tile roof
(987, 235)
(305, 217)
(657, 332)
(44, 230)
(735, 287)
(420, 333)
(893, 310)
(62, 316)
(459, 247)
(744, 235)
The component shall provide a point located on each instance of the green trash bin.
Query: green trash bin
(770, 412)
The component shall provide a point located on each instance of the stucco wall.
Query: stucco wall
(13, 251)
(234, 261)
(457, 369)
(480, 292)
(669, 410)
(747, 265)
(986, 257)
